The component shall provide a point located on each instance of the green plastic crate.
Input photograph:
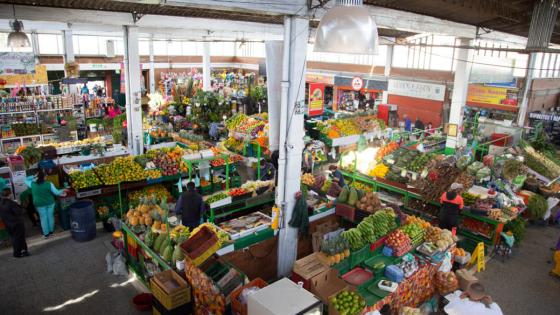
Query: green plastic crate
(343, 266)
(357, 257)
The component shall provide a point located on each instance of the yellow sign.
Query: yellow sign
(37, 78)
(488, 95)
(319, 78)
(478, 257)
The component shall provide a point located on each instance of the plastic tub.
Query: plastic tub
(357, 276)
(143, 302)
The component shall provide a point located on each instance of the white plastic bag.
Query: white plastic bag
(109, 260)
(119, 266)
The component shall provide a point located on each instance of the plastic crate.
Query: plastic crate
(241, 309)
(200, 246)
(173, 300)
(345, 211)
(159, 309)
(359, 256)
(394, 273)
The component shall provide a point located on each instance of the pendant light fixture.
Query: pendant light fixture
(17, 38)
(347, 28)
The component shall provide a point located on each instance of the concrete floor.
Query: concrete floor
(64, 277)
(522, 285)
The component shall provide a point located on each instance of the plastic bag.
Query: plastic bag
(463, 162)
(483, 173)
(119, 266)
(246, 293)
(109, 260)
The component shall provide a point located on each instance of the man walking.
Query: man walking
(10, 213)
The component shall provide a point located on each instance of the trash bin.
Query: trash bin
(82, 221)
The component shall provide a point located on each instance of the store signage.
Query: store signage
(357, 83)
(38, 77)
(316, 99)
(13, 63)
(545, 117)
(482, 94)
(427, 91)
(319, 78)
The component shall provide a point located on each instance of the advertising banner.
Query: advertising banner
(13, 63)
(316, 99)
(491, 95)
(38, 77)
(415, 89)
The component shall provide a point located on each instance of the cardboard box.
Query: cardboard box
(332, 310)
(327, 285)
(308, 268)
(320, 231)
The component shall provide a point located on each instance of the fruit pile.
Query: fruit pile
(216, 197)
(122, 169)
(387, 149)
(399, 242)
(235, 121)
(167, 245)
(370, 229)
(308, 179)
(411, 219)
(85, 179)
(179, 234)
(369, 202)
(446, 282)
(348, 303)
(441, 238)
(457, 251)
(153, 173)
(152, 192)
(420, 162)
(410, 311)
(477, 227)
(146, 213)
(234, 158)
(415, 232)
(380, 171)
(103, 211)
(234, 145)
(237, 192)
(335, 249)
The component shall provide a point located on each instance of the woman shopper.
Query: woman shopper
(43, 193)
(10, 213)
(451, 205)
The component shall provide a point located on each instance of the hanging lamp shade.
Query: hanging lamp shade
(347, 28)
(17, 38)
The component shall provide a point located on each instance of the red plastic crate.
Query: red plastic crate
(345, 211)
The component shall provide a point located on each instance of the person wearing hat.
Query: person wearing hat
(474, 300)
(451, 204)
(10, 213)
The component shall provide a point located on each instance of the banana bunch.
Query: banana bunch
(354, 238)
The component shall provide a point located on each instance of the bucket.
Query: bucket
(82, 221)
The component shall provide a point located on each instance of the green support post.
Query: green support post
(190, 165)
(226, 159)
(259, 162)
(120, 198)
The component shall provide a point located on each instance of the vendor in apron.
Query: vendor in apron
(451, 205)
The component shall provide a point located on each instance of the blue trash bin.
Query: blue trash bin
(82, 221)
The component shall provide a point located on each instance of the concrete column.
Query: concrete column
(296, 31)
(206, 71)
(388, 61)
(35, 46)
(152, 69)
(459, 96)
(274, 90)
(68, 45)
(522, 115)
(133, 90)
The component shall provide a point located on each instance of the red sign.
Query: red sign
(316, 99)
(357, 83)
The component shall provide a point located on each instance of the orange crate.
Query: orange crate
(241, 309)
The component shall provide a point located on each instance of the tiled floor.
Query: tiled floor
(64, 277)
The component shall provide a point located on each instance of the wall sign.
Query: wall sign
(428, 91)
(319, 78)
(482, 94)
(316, 99)
(38, 77)
(12, 63)
(545, 117)
(357, 83)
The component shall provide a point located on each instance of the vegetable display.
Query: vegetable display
(85, 179)
(370, 229)
(537, 206)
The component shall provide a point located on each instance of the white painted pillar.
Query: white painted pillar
(206, 71)
(68, 45)
(133, 90)
(522, 115)
(152, 67)
(291, 135)
(389, 61)
(274, 90)
(459, 96)
(35, 46)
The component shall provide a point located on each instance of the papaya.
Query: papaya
(353, 197)
(168, 253)
(163, 246)
(343, 197)
(159, 241)
(177, 254)
(149, 238)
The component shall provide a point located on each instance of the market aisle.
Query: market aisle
(522, 285)
(64, 277)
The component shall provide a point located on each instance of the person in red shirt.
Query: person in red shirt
(451, 204)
